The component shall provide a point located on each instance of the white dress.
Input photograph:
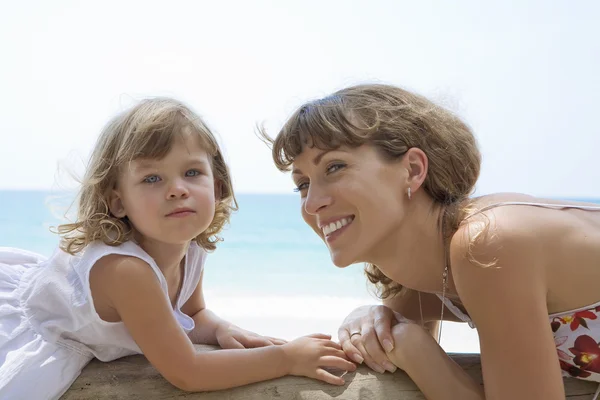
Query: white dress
(49, 329)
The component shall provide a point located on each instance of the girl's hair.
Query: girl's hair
(147, 130)
(393, 120)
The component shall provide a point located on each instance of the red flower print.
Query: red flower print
(555, 324)
(587, 353)
(578, 319)
(573, 370)
(564, 357)
(559, 341)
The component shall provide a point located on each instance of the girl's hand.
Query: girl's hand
(230, 336)
(310, 355)
(366, 335)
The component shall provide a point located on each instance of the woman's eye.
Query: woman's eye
(301, 186)
(152, 179)
(192, 173)
(334, 167)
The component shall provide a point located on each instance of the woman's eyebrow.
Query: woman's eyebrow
(316, 160)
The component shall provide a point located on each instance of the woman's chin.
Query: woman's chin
(341, 260)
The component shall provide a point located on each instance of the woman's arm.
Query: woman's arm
(132, 289)
(507, 303)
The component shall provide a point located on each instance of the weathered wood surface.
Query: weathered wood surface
(134, 378)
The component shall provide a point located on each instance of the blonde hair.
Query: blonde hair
(147, 130)
(393, 120)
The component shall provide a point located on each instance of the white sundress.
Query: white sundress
(49, 329)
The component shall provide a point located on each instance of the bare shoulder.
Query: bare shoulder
(493, 252)
(115, 268)
(116, 276)
(493, 234)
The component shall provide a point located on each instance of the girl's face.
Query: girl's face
(352, 198)
(171, 200)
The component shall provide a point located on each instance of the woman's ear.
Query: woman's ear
(417, 165)
(116, 205)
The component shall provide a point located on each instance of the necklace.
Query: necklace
(444, 286)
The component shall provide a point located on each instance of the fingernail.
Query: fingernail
(379, 368)
(357, 358)
(387, 345)
(389, 366)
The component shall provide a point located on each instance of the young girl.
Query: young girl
(385, 177)
(128, 275)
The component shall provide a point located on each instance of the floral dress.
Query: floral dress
(576, 335)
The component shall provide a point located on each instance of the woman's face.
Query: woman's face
(352, 198)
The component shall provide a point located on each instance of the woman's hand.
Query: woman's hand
(230, 336)
(310, 355)
(366, 335)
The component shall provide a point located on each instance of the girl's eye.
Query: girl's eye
(192, 173)
(152, 179)
(301, 186)
(334, 167)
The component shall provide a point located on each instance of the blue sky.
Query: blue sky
(523, 75)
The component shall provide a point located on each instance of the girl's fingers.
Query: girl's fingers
(257, 341)
(328, 377)
(336, 362)
(336, 353)
(276, 341)
(333, 344)
(319, 336)
(231, 343)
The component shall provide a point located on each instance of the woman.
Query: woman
(385, 177)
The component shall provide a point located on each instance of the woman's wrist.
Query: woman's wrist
(411, 342)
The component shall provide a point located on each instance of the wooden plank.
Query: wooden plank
(134, 378)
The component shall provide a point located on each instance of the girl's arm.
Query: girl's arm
(507, 303)
(131, 288)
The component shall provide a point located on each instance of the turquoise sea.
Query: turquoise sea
(271, 274)
(267, 248)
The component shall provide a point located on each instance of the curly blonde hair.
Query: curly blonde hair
(393, 120)
(147, 130)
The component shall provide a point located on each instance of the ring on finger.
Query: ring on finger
(354, 333)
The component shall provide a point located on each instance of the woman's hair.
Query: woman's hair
(393, 120)
(147, 130)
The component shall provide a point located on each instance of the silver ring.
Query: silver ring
(354, 333)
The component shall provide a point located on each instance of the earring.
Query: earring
(408, 191)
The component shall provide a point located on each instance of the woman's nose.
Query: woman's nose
(316, 200)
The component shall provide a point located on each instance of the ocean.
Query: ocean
(271, 274)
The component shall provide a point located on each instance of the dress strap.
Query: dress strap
(456, 311)
(545, 205)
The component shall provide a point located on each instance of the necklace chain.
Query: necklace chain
(444, 287)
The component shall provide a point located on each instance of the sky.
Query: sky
(523, 75)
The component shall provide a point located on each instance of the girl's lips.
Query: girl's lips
(184, 212)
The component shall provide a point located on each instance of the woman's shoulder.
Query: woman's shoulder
(492, 228)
